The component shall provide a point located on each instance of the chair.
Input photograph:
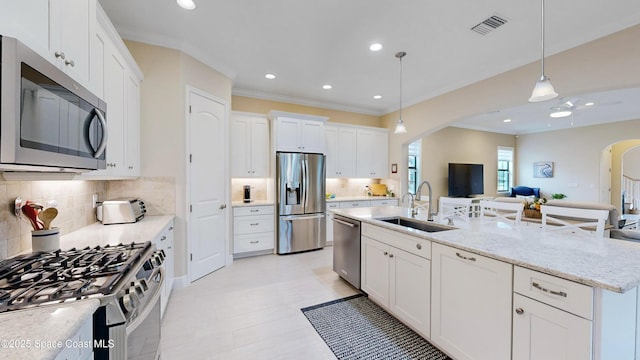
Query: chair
(524, 191)
(573, 220)
(501, 211)
(449, 208)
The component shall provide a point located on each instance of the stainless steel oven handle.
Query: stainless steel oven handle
(103, 143)
(149, 305)
(351, 225)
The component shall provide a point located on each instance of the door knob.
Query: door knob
(223, 206)
(519, 311)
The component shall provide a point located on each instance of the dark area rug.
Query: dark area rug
(356, 328)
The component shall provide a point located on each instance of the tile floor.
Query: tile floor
(251, 310)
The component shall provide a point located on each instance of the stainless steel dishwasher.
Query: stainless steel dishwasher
(346, 249)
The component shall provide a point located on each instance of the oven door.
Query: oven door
(143, 332)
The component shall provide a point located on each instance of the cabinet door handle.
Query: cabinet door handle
(170, 228)
(59, 54)
(386, 253)
(419, 246)
(552, 292)
(519, 311)
(390, 255)
(70, 63)
(464, 257)
(163, 238)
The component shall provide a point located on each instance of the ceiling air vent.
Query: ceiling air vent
(488, 25)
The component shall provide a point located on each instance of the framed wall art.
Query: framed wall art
(543, 169)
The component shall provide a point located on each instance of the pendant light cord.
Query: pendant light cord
(400, 55)
(542, 38)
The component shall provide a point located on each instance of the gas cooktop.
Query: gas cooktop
(67, 275)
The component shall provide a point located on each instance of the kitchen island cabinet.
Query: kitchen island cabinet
(396, 273)
(529, 293)
(471, 304)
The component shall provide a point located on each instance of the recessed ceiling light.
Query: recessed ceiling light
(327, 87)
(377, 97)
(270, 76)
(506, 120)
(589, 104)
(186, 4)
(375, 47)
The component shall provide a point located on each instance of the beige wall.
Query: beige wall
(631, 161)
(604, 64)
(576, 155)
(457, 145)
(167, 72)
(259, 106)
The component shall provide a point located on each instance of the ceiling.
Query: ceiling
(307, 44)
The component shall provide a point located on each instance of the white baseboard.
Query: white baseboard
(180, 282)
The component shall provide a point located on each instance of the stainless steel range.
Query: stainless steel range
(126, 278)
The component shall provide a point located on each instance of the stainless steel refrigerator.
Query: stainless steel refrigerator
(301, 219)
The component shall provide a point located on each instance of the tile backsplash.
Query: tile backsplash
(74, 204)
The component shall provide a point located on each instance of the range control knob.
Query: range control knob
(129, 302)
(142, 283)
(137, 289)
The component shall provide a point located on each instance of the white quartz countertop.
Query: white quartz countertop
(98, 234)
(599, 262)
(43, 332)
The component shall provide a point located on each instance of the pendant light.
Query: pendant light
(543, 89)
(400, 128)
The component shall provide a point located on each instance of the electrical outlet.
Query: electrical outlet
(94, 200)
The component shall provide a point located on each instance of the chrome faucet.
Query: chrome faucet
(419, 196)
(414, 211)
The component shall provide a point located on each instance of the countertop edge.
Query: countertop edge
(427, 236)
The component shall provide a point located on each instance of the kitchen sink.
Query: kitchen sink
(416, 224)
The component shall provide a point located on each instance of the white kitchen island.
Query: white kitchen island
(491, 290)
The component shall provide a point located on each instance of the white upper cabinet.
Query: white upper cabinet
(372, 153)
(27, 21)
(341, 151)
(249, 145)
(299, 133)
(116, 79)
(72, 23)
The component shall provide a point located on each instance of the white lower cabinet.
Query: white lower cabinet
(253, 230)
(165, 242)
(542, 332)
(397, 278)
(470, 304)
(84, 335)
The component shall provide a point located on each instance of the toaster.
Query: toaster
(120, 211)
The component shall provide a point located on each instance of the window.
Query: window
(413, 179)
(505, 169)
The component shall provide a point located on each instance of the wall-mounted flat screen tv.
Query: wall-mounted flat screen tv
(466, 180)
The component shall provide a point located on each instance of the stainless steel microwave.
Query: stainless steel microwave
(48, 122)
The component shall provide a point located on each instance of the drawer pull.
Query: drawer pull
(163, 238)
(419, 246)
(519, 311)
(255, 224)
(464, 257)
(254, 210)
(254, 242)
(552, 292)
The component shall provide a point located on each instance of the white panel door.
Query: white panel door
(312, 136)
(470, 304)
(332, 147)
(347, 155)
(288, 134)
(542, 332)
(260, 150)
(132, 126)
(364, 155)
(114, 95)
(207, 231)
(375, 270)
(410, 289)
